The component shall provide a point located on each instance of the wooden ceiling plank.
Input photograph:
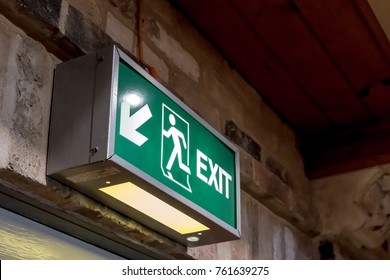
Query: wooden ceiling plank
(344, 33)
(348, 156)
(226, 30)
(378, 100)
(282, 29)
(371, 20)
(317, 172)
(356, 148)
(261, 65)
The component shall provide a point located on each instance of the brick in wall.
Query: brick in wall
(83, 33)
(234, 133)
(47, 10)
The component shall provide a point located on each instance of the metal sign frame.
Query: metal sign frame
(82, 135)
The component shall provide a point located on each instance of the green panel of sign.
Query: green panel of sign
(155, 134)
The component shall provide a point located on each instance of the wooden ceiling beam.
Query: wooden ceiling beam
(331, 154)
(347, 37)
(378, 100)
(227, 31)
(313, 62)
(281, 26)
(367, 13)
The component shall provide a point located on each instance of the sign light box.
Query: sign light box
(120, 137)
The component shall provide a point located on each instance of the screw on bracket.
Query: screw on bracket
(100, 58)
(94, 150)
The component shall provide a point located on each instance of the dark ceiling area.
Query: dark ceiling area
(323, 66)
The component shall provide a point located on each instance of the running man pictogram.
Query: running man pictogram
(176, 137)
(175, 148)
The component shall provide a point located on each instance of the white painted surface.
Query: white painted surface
(22, 238)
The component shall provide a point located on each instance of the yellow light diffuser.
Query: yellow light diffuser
(154, 207)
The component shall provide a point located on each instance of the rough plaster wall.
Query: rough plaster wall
(25, 97)
(271, 168)
(264, 236)
(356, 207)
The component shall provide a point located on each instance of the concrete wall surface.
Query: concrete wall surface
(354, 210)
(278, 217)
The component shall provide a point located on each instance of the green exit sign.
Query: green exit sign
(119, 136)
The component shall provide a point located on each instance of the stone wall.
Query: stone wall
(278, 220)
(355, 211)
(264, 236)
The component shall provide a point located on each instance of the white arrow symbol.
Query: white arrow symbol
(130, 124)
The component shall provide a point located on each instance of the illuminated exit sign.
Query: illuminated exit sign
(119, 136)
